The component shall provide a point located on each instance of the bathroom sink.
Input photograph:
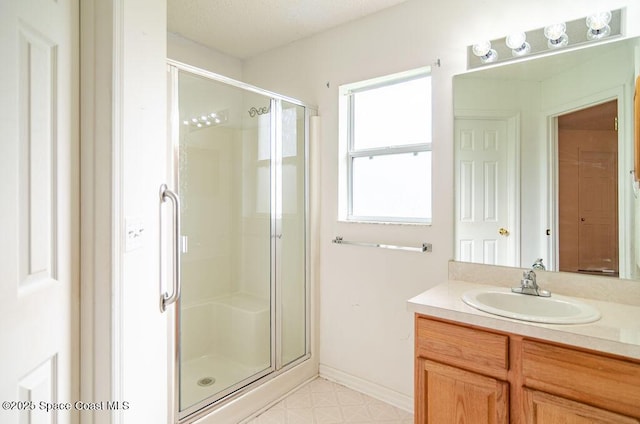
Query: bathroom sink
(549, 310)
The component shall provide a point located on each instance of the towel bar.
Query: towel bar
(426, 247)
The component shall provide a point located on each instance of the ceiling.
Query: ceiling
(245, 28)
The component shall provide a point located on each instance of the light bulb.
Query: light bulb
(599, 20)
(517, 42)
(484, 51)
(555, 31)
(556, 35)
(481, 48)
(598, 25)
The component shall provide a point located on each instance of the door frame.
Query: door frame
(114, 123)
(512, 118)
(625, 151)
(99, 262)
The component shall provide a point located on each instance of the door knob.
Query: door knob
(503, 232)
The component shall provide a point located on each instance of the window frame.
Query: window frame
(348, 92)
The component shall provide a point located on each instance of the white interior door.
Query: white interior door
(484, 226)
(38, 210)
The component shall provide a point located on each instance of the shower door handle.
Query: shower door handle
(167, 299)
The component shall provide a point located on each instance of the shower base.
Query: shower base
(225, 371)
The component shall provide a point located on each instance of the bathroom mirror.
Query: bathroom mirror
(544, 161)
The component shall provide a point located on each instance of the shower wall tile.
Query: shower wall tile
(206, 170)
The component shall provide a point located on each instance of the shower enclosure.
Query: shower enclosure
(241, 182)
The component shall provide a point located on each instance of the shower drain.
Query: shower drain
(206, 381)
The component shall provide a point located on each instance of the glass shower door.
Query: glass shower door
(292, 247)
(224, 182)
(241, 169)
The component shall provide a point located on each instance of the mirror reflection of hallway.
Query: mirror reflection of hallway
(588, 190)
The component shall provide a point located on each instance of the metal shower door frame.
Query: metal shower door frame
(208, 405)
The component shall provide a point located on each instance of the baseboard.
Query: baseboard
(374, 390)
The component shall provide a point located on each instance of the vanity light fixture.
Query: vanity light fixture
(598, 25)
(484, 51)
(556, 35)
(517, 42)
(601, 27)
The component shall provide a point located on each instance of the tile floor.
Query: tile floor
(324, 402)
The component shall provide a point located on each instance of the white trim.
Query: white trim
(173, 174)
(349, 88)
(97, 380)
(348, 152)
(374, 390)
(553, 217)
(117, 193)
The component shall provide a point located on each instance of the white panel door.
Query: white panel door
(38, 210)
(483, 233)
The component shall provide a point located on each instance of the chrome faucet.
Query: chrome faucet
(528, 285)
(538, 265)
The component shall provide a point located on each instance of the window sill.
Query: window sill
(399, 223)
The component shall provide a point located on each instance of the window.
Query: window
(385, 127)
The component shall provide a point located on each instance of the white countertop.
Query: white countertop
(617, 332)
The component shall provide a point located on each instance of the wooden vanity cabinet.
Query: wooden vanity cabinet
(465, 374)
(461, 374)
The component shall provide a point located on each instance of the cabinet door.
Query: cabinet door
(543, 408)
(450, 395)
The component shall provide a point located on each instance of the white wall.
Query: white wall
(187, 51)
(140, 104)
(366, 335)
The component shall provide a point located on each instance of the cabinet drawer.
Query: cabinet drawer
(608, 383)
(464, 347)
